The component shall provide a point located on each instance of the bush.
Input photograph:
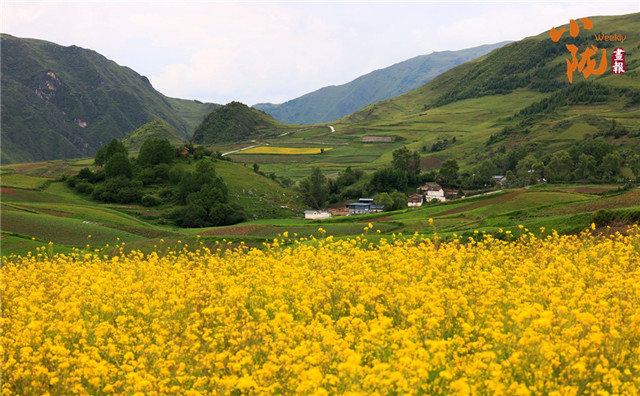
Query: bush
(161, 172)
(85, 173)
(150, 200)
(128, 195)
(118, 165)
(166, 193)
(147, 176)
(191, 217)
(156, 151)
(98, 193)
(84, 187)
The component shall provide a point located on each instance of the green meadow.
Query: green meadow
(42, 214)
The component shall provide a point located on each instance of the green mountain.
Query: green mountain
(513, 103)
(536, 63)
(330, 103)
(520, 96)
(236, 122)
(154, 129)
(65, 102)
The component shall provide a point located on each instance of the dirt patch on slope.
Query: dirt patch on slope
(586, 190)
(7, 190)
(32, 166)
(53, 212)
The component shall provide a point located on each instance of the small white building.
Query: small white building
(433, 191)
(415, 200)
(316, 214)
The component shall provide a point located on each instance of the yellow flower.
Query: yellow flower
(328, 316)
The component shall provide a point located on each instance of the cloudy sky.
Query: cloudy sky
(276, 51)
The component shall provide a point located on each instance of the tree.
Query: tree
(597, 148)
(118, 165)
(525, 170)
(315, 189)
(484, 174)
(205, 172)
(634, 164)
(156, 151)
(345, 178)
(448, 174)
(386, 200)
(611, 165)
(399, 200)
(406, 161)
(586, 167)
(389, 179)
(560, 166)
(106, 152)
(512, 179)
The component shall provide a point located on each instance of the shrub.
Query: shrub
(150, 200)
(84, 187)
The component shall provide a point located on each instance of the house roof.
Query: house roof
(431, 187)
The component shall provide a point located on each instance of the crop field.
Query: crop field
(62, 230)
(18, 180)
(284, 150)
(529, 312)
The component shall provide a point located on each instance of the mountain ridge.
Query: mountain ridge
(236, 122)
(76, 100)
(335, 101)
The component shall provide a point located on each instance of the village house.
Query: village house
(364, 206)
(316, 214)
(501, 180)
(432, 190)
(450, 193)
(415, 200)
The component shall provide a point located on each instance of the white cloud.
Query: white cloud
(276, 51)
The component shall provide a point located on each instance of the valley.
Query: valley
(510, 111)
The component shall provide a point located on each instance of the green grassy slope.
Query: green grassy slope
(156, 129)
(43, 210)
(522, 86)
(65, 102)
(235, 122)
(36, 208)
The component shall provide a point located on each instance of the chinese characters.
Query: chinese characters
(618, 64)
(586, 64)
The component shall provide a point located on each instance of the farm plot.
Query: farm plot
(285, 150)
(62, 230)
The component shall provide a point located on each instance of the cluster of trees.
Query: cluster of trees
(592, 160)
(584, 92)
(440, 145)
(205, 198)
(317, 190)
(404, 172)
(389, 185)
(517, 65)
(161, 174)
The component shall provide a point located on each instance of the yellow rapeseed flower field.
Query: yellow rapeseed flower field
(540, 314)
(283, 150)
